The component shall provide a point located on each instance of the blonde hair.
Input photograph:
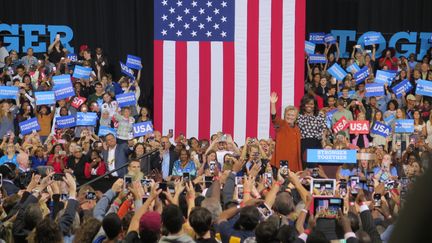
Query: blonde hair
(291, 108)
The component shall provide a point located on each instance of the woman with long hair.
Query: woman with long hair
(287, 136)
(376, 138)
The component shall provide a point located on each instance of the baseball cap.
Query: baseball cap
(150, 221)
(411, 97)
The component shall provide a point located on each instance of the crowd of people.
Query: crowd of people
(177, 189)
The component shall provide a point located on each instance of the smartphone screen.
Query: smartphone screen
(240, 192)
(342, 187)
(377, 200)
(90, 196)
(265, 210)
(323, 187)
(327, 207)
(239, 180)
(354, 184)
(127, 181)
(284, 167)
(186, 177)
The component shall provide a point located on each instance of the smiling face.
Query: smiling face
(290, 116)
(184, 155)
(309, 107)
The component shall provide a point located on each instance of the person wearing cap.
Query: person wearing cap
(410, 106)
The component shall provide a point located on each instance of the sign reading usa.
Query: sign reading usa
(340, 125)
(142, 128)
(331, 156)
(359, 127)
(381, 129)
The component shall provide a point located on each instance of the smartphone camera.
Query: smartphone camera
(64, 197)
(127, 181)
(315, 173)
(269, 179)
(343, 187)
(240, 192)
(284, 167)
(186, 177)
(212, 165)
(377, 200)
(145, 182)
(58, 176)
(90, 196)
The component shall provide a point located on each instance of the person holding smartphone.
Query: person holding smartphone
(287, 136)
(386, 171)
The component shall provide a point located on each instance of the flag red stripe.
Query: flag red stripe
(300, 28)
(228, 88)
(181, 87)
(276, 54)
(158, 84)
(252, 68)
(205, 89)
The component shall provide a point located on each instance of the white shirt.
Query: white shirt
(111, 160)
(3, 54)
(220, 156)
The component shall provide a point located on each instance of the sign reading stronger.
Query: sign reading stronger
(331, 156)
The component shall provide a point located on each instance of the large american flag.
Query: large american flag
(217, 61)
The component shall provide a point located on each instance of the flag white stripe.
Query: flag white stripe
(193, 90)
(240, 50)
(169, 88)
(288, 54)
(216, 96)
(264, 54)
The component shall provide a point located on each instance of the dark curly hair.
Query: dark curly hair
(306, 99)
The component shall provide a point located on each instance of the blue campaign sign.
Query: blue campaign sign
(374, 90)
(337, 71)
(133, 62)
(404, 126)
(330, 117)
(73, 57)
(104, 130)
(64, 91)
(329, 39)
(383, 77)
(372, 37)
(86, 118)
(404, 86)
(45, 98)
(381, 129)
(353, 68)
(126, 70)
(315, 58)
(390, 119)
(126, 99)
(82, 72)
(309, 47)
(28, 126)
(331, 156)
(361, 75)
(65, 121)
(142, 128)
(8, 92)
(61, 79)
(424, 87)
(317, 38)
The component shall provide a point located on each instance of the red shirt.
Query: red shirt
(388, 63)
